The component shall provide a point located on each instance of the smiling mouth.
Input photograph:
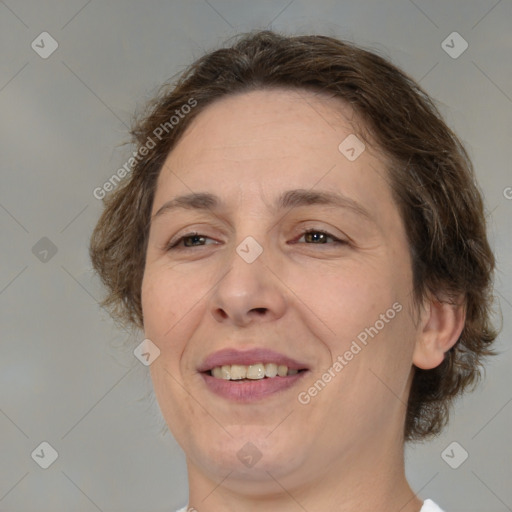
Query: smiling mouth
(258, 371)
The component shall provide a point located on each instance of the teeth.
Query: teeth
(270, 370)
(238, 372)
(256, 371)
(253, 372)
(226, 372)
(282, 370)
(217, 372)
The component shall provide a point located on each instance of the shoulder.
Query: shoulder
(428, 506)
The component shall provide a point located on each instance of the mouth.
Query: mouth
(250, 375)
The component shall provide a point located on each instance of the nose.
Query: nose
(248, 292)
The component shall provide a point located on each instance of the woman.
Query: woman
(303, 243)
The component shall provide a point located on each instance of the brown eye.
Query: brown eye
(320, 237)
(192, 237)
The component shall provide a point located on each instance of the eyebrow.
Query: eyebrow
(289, 199)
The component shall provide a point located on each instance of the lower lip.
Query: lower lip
(250, 390)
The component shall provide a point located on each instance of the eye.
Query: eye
(193, 237)
(322, 238)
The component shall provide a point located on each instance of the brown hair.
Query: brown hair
(430, 174)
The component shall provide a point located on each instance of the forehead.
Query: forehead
(276, 121)
(269, 141)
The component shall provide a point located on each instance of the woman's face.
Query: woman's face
(336, 306)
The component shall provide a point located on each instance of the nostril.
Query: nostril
(220, 315)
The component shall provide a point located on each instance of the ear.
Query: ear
(440, 327)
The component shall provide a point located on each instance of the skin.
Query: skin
(307, 299)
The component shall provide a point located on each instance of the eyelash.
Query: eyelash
(174, 245)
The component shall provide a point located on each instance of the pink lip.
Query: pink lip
(259, 355)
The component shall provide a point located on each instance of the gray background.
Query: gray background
(67, 374)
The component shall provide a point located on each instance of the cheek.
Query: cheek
(164, 302)
(173, 304)
(345, 298)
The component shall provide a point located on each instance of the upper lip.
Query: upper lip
(230, 356)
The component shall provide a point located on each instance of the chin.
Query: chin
(251, 457)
